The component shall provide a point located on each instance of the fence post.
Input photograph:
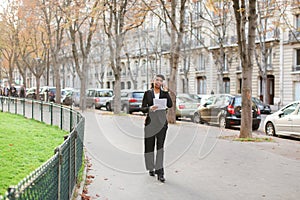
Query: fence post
(60, 160)
(70, 165)
(23, 107)
(8, 105)
(2, 103)
(32, 109)
(61, 117)
(51, 113)
(16, 105)
(42, 111)
(71, 118)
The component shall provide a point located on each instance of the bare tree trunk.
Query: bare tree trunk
(37, 80)
(56, 68)
(246, 50)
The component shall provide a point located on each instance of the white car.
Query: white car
(285, 121)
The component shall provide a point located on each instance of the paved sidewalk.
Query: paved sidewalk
(198, 164)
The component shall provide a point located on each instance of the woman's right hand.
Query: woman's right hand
(153, 108)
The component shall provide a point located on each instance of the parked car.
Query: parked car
(97, 98)
(264, 108)
(191, 96)
(185, 107)
(64, 93)
(47, 92)
(131, 101)
(225, 111)
(31, 93)
(71, 98)
(286, 121)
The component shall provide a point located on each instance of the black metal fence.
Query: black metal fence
(55, 179)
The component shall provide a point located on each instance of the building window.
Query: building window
(239, 86)
(122, 85)
(269, 59)
(145, 85)
(297, 21)
(225, 69)
(226, 84)
(201, 63)
(143, 70)
(298, 57)
(123, 68)
(201, 83)
(128, 85)
(296, 66)
(196, 36)
(297, 91)
(108, 85)
(136, 68)
(198, 10)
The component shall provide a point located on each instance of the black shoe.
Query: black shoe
(161, 178)
(151, 173)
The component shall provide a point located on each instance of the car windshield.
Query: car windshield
(138, 95)
(238, 101)
(257, 101)
(104, 94)
(186, 99)
(289, 109)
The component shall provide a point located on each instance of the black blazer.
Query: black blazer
(148, 101)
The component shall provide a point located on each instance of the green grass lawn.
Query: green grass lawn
(25, 144)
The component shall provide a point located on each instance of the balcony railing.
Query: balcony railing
(296, 68)
(294, 36)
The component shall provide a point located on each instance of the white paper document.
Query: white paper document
(160, 103)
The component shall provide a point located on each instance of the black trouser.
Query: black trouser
(149, 142)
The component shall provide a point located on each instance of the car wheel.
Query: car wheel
(196, 118)
(222, 122)
(270, 130)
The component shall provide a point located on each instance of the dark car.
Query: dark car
(225, 111)
(264, 108)
(131, 101)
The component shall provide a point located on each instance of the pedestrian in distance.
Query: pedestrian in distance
(156, 126)
(22, 92)
(13, 91)
(1, 91)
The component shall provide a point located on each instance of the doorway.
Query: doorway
(270, 89)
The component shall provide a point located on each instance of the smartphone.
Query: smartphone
(162, 85)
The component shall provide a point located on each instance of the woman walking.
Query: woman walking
(155, 104)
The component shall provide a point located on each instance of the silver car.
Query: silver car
(97, 98)
(285, 121)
